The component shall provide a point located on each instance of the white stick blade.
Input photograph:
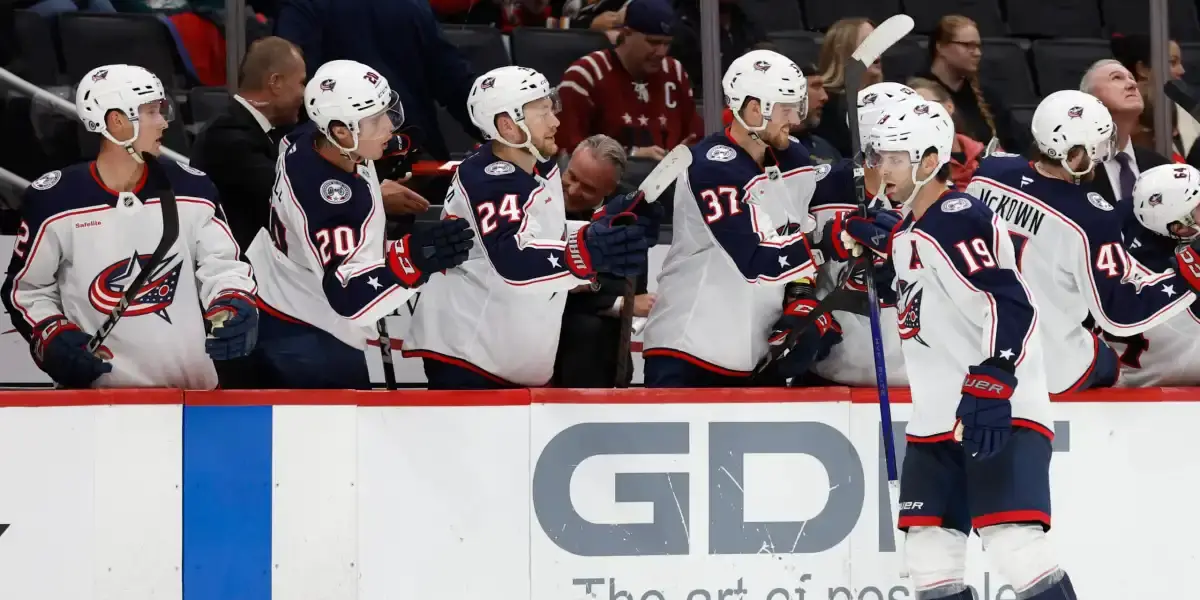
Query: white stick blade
(885, 36)
(668, 170)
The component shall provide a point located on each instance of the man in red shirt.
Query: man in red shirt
(633, 92)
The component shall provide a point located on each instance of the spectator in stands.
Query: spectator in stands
(840, 41)
(739, 34)
(1134, 53)
(237, 150)
(587, 345)
(1117, 89)
(819, 148)
(400, 38)
(49, 8)
(597, 15)
(966, 152)
(633, 92)
(955, 51)
(504, 14)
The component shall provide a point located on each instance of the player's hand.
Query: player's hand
(642, 304)
(845, 237)
(984, 416)
(1187, 262)
(650, 152)
(400, 200)
(610, 19)
(648, 214)
(418, 255)
(605, 247)
(815, 341)
(59, 348)
(232, 325)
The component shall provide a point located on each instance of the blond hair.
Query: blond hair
(840, 42)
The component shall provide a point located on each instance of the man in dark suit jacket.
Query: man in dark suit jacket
(587, 344)
(238, 149)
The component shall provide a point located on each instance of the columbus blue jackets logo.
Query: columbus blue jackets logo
(1075, 112)
(372, 76)
(487, 84)
(100, 75)
(328, 85)
(921, 109)
(870, 99)
(154, 297)
(908, 315)
(761, 66)
(1154, 200)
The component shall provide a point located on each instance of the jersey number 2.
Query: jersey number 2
(488, 213)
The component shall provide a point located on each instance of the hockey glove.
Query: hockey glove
(814, 343)
(984, 416)
(604, 247)
(418, 255)
(883, 276)
(844, 238)
(1187, 261)
(649, 214)
(59, 348)
(232, 325)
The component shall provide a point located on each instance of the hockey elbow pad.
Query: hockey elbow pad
(60, 349)
(1187, 259)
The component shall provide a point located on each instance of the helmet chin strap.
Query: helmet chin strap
(526, 145)
(917, 185)
(127, 145)
(1080, 175)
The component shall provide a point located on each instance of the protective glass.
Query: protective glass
(151, 111)
(384, 123)
(538, 109)
(1106, 149)
(877, 159)
(788, 112)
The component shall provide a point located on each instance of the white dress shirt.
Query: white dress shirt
(258, 116)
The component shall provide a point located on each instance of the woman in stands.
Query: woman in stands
(955, 51)
(840, 41)
(966, 153)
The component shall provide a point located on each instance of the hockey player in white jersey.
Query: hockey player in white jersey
(1166, 201)
(326, 271)
(978, 453)
(849, 362)
(1069, 242)
(738, 240)
(88, 230)
(494, 321)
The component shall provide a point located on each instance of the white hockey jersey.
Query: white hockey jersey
(80, 243)
(961, 301)
(500, 312)
(852, 362)
(1070, 249)
(324, 260)
(1166, 354)
(722, 282)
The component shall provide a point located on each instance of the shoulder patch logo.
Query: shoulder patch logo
(191, 169)
(954, 205)
(47, 181)
(499, 168)
(720, 153)
(335, 192)
(1098, 201)
(822, 171)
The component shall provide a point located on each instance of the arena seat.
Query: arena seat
(551, 51)
(820, 14)
(774, 15)
(482, 45)
(90, 40)
(1061, 63)
(207, 103)
(803, 47)
(1126, 16)
(39, 62)
(1005, 67)
(1054, 18)
(985, 13)
(907, 58)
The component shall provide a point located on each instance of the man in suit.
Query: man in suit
(1117, 89)
(587, 344)
(237, 149)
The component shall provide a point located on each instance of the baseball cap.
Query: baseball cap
(651, 17)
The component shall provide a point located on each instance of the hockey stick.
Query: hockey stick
(885, 36)
(668, 170)
(385, 352)
(170, 232)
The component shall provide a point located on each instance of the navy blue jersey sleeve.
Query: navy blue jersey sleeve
(500, 204)
(762, 254)
(979, 269)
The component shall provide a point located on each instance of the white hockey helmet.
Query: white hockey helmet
(350, 93)
(506, 91)
(1166, 198)
(769, 77)
(125, 88)
(913, 128)
(1070, 118)
(873, 99)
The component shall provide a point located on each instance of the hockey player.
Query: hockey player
(1166, 201)
(88, 230)
(978, 454)
(494, 321)
(327, 274)
(835, 196)
(1069, 242)
(738, 240)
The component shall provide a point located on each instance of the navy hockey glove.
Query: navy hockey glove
(59, 348)
(1187, 261)
(649, 215)
(884, 275)
(843, 237)
(814, 343)
(418, 255)
(232, 325)
(984, 416)
(604, 247)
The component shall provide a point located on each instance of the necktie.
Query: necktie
(1127, 178)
